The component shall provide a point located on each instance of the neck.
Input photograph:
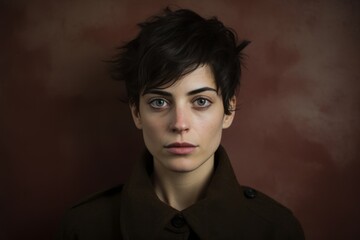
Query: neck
(180, 190)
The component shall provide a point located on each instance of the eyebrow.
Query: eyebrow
(167, 94)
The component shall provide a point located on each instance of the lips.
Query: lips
(180, 148)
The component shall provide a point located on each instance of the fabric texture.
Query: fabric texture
(133, 211)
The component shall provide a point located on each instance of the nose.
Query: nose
(179, 120)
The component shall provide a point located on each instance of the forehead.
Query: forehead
(199, 78)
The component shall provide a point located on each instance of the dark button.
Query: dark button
(250, 193)
(178, 221)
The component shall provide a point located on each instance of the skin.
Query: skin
(189, 111)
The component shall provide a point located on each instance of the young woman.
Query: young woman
(181, 72)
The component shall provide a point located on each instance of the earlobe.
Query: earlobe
(136, 116)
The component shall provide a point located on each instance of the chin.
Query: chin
(183, 165)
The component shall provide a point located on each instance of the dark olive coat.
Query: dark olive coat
(133, 211)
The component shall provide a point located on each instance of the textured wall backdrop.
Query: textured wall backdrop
(64, 134)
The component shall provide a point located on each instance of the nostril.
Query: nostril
(179, 129)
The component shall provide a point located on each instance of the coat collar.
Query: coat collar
(144, 216)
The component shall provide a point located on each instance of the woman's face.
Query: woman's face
(182, 124)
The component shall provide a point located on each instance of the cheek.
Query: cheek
(153, 129)
(211, 123)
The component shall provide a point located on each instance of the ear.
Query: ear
(136, 115)
(228, 119)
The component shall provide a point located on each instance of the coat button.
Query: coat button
(178, 221)
(250, 193)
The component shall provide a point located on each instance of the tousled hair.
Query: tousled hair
(175, 43)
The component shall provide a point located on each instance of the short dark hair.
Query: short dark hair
(174, 44)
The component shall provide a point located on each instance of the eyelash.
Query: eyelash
(207, 102)
(152, 102)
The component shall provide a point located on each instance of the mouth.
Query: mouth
(178, 148)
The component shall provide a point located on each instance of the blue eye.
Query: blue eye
(158, 103)
(202, 102)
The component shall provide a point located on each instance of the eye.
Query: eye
(202, 102)
(158, 103)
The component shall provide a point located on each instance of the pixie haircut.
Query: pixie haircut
(174, 44)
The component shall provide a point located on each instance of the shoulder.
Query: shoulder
(276, 215)
(100, 198)
(263, 205)
(93, 216)
(101, 202)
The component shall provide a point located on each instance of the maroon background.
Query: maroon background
(64, 134)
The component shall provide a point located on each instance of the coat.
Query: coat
(133, 211)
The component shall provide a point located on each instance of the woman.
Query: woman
(181, 72)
